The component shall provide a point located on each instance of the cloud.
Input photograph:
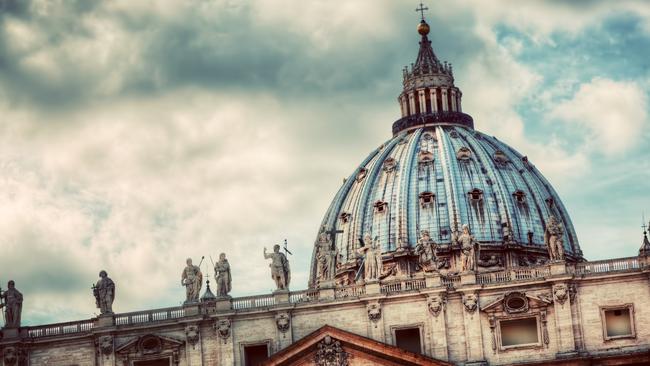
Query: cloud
(612, 114)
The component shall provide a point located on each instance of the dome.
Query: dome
(433, 177)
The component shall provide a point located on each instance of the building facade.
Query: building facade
(444, 246)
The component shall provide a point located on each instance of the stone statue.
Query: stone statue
(427, 252)
(222, 276)
(553, 238)
(104, 292)
(326, 258)
(372, 258)
(192, 279)
(468, 249)
(280, 271)
(12, 301)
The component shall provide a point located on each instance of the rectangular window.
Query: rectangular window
(255, 354)
(159, 362)
(519, 332)
(618, 322)
(408, 339)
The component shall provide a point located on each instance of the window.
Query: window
(519, 332)
(464, 154)
(389, 165)
(500, 158)
(426, 199)
(361, 174)
(345, 217)
(255, 354)
(618, 322)
(380, 207)
(475, 195)
(160, 362)
(520, 196)
(408, 339)
(425, 157)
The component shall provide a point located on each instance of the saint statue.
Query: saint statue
(372, 258)
(280, 271)
(192, 279)
(426, 251)
(104, 292)
(222, 276)
(326, 257)
(553, 238)
(12, 301)
(468, 249)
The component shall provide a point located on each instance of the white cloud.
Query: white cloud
(611, 113)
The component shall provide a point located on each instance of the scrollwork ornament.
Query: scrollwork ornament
(330, 353)
(283, 322)
(561, 293)
(222, 327)
(436, 304)
(471, 302)
(374, 311)
(13, 356)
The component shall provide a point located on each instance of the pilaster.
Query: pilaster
(225, 344)
(563, 318)
(375, 320)
(193, 345)
(472, 323)
(284, 331)
(437, 309)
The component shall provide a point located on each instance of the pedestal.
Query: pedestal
(281, 296)
(433, 280)
(8, 333)
(468, 278)
(558, 268)
(224, 303)
(191, 308)
(105, 320)
(373, 288)
(327, 293)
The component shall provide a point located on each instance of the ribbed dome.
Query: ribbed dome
(434, 176)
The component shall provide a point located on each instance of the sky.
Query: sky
(136, 134)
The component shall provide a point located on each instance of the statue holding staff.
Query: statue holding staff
(192, 279)
(280, 272)
(104, 292)
(222, 276)
(12, 301)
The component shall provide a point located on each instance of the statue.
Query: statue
(372, 258)
(280, 271)
(427, 252)
(192, 279)
(468, 249)
(222, 276)
(326, 258)
(104, 292)
(553, 238)
(12, 301)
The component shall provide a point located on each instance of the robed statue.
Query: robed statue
(553, 238)
(372, 261)
(326, 256)
(104, 292)
(12, 301)
(192, 279)
(427, 252)
(222, 276)
(468, 250)
(280, 272)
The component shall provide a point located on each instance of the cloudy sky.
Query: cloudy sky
(135, 134)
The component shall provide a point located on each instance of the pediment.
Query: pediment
(516, 302)
(149, 344)
(329, 346)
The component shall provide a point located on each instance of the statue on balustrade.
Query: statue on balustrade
(327, 256)
(468, 250)
(222, 276)
(426, 250)
(192, 279)
(104, 292)
(12, 301)
(553, 238)
(372, 261)
(280, 272)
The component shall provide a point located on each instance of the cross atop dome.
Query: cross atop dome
(421, 9)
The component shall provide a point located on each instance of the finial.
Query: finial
(423, 27)
(421, 9)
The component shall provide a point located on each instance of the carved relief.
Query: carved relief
(105, 345)
(283, 322)
(330, 353)
(561, 293)
(13, 356)
(150, 344)
(192, 334)
(222, 326)
(515, 302)
(436, 303)
(490, 261)
(471, 302)
(390, 165)
(374, 311)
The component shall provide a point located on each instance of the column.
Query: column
(437, 308)
(459, 95)
(412, 103)
(434, 100)
(453, 100)
(423, 102)
(445, 104)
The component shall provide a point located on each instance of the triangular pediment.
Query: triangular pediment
(500, 303)
(149, 344)
(332, 346)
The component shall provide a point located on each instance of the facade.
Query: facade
(444, 246)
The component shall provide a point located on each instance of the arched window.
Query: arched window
(426, 199)
(475, 195)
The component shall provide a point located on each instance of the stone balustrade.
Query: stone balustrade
(251, 302)
(149, 316)
(412, 284)
(59, 329)
(609, 265)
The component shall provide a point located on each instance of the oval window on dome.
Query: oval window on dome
(453, 134)
(345, 217)
(389, 165)
(464, 154)
(426, 199)
(520, 196)
(475, 195)
(380, 207)
(361, 174)
(500, 158)
(428, 137)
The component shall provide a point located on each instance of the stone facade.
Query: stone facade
(464, 328)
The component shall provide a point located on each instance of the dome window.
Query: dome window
(475, 195)
(361, 174)
(500, 158)
(425, 157)
(389, 165)
(345, 217)
(453, 134)
(520, 196)
(428, 137)
(550, 202)
(464, 154)
(380, 207)
(426, 199)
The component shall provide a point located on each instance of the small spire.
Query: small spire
(644, 251)
(208, 295)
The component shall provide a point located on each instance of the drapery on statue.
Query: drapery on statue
(104, 292)
(553, 238)
(372, 262)
(222, 276)
(426, 251)
(12, 301)
(326, 257)
(192, 279)
(280, 272)
(468, 250)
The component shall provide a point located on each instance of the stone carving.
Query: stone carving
(13, 356)
(330, 353)
(508, 237)
(426, 249)
(104, 292)
(374, 311)
(372, 262)
(283, 322)
(192, 334)
(468, 250)
(471, 302)
(105, 344)
(553, 239)
(326, 256)
(192, 279)
(12, 301)
(223, 328)
(280, 272)
(561, 293)
(528, 260)
(515, 302)
(490, 261)
(436, 303)
(222, 276)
